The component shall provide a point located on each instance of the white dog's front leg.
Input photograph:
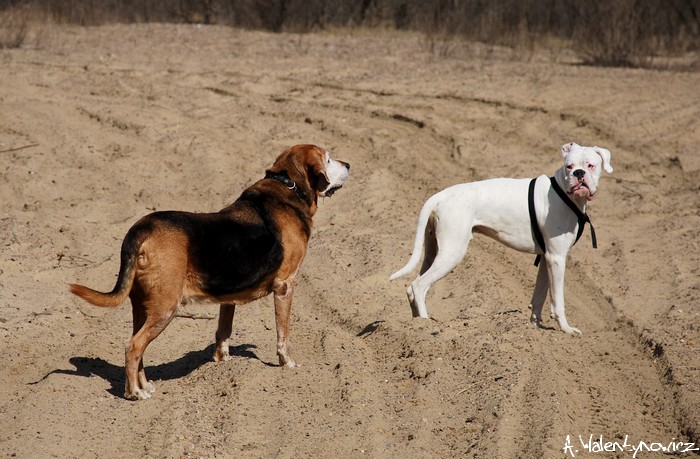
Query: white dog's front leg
(556, 266)
(539, 295)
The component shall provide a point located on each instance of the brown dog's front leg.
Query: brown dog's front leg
(283, 307)
(223, 332)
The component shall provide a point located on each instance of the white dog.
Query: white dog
(546, 222)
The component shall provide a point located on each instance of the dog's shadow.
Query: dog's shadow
(114, 374)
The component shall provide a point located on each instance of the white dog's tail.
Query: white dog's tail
(423, 218)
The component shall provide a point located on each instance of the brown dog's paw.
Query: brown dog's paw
(138, 394)
(288, 362)
(221, 354)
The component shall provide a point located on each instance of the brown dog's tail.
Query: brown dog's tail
(125, 280)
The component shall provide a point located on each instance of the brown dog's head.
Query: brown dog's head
(313, 171)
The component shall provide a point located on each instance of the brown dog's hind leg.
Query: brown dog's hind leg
(149, 322)
(223, 332)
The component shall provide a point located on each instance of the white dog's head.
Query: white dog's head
(582, 169)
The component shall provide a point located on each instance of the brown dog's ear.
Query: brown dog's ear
(317, 173)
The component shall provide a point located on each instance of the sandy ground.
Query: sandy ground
(100, 126)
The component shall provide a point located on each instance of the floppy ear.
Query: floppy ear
(317, 173)
(567, 147)
(605, 154)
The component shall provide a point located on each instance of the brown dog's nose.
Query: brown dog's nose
(347, 165)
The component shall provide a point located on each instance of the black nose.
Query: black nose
(579, 173)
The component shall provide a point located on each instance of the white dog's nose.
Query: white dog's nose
(579, 174)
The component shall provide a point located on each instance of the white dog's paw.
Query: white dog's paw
(571, 330)
(538, 323)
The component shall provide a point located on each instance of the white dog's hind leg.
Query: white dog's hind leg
(425, 219)
(430, 246)
(539, 295)
(556, 266)
(451, 247)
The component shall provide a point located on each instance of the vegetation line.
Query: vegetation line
(602, 32)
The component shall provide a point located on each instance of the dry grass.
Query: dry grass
(616, 34)
(619, 33)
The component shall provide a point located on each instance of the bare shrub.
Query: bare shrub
(615, 33)
(440, 43)
(440, 28)
(14, 27)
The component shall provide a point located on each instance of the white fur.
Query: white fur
(336, 172)
(498, 208)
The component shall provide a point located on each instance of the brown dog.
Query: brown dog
(246, 251)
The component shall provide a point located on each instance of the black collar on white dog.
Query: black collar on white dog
(582, 216)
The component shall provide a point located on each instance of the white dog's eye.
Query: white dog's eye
(591, 166)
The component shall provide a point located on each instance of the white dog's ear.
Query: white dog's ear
(605, 154)
(567, 147)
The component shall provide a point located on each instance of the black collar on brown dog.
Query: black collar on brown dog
(582, 217)
(284, 178)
